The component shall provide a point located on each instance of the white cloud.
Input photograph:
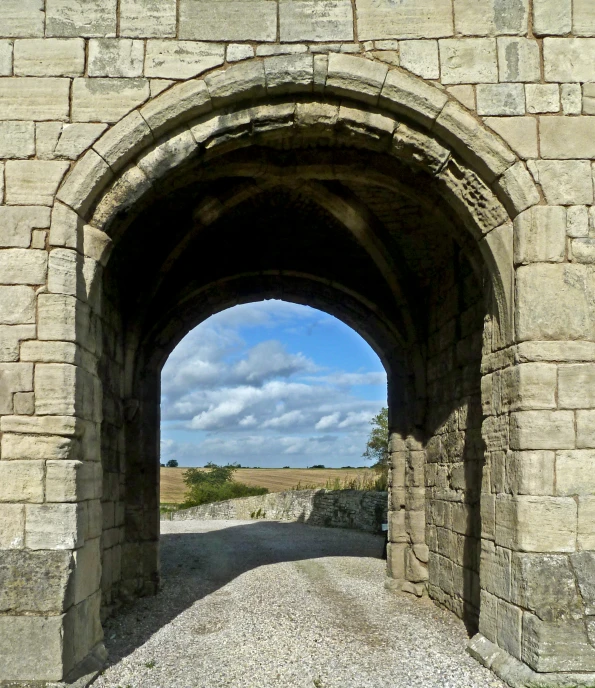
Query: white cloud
(224, 400)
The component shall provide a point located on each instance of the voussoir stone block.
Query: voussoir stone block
(89, 176)
(228, 20)
(289, 73)
(378, 19)
(123, 141)
(406, 95)
(352, 76)
(241, 81)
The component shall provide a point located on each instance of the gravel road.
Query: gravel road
(261, 604)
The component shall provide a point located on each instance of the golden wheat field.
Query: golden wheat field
(275, 479)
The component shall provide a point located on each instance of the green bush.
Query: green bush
(216, 484)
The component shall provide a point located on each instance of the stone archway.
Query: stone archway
(342, 144)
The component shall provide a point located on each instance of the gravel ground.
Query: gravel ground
(272, 605)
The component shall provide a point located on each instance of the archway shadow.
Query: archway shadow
(194, 565)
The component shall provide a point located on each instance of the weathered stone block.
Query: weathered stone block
(536, 524)
(17, 305)
(49, 57)
(6, 51)
(421, 58)
(490, 17)
(148, 18)
(228, 20)
(22, 18)
(552, 302)
(87, 572)
(528, 386)
(88, 18)
(34, 582)
(575, 386)
(468, 61)
(54, 526)
(23, 266)
(33, 98)
(37, 447)
(378, 19)
(556, 646)
(583, 18)
(181, 59)
(32, 647)
(14, 377)
(56, 389)
(542, 98)
(239, 51)
(17, 140)
(310, 20)
(11, 337)
(530, 472)
(289, 74)
(488, 617)
(24, 403)
(21, 481)
(18, 222)
(520, 133)
(569, 59)
(61, 317)
(116, 57)
(565, 182)
(510, 619)
(586, 523)
(567, 137)
(552, 17)
(12, 526)
(545, 585)
(88, 178)
(242, 81)
(542, 430)
(33, 182)
(540, 235)
(574, 472)
(107, 100)
(73, 481)
(495, 569)
(501, 99)
(518, 60)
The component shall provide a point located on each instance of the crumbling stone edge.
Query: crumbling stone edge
(519, 675)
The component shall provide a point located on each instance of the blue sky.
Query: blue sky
(270, 384)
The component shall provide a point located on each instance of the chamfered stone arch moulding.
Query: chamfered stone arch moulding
(434, 191)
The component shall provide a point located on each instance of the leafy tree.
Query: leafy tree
(377, 447)
(215, 484)
(172, 463)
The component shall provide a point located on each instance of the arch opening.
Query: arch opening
(341, 227)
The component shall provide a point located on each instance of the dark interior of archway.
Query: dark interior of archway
(211, 236)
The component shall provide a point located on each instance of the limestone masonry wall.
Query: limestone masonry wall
(423, 169)
(360, 510)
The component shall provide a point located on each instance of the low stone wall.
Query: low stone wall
(357, 509)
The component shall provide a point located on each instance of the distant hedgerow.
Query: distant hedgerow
(215, 484)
